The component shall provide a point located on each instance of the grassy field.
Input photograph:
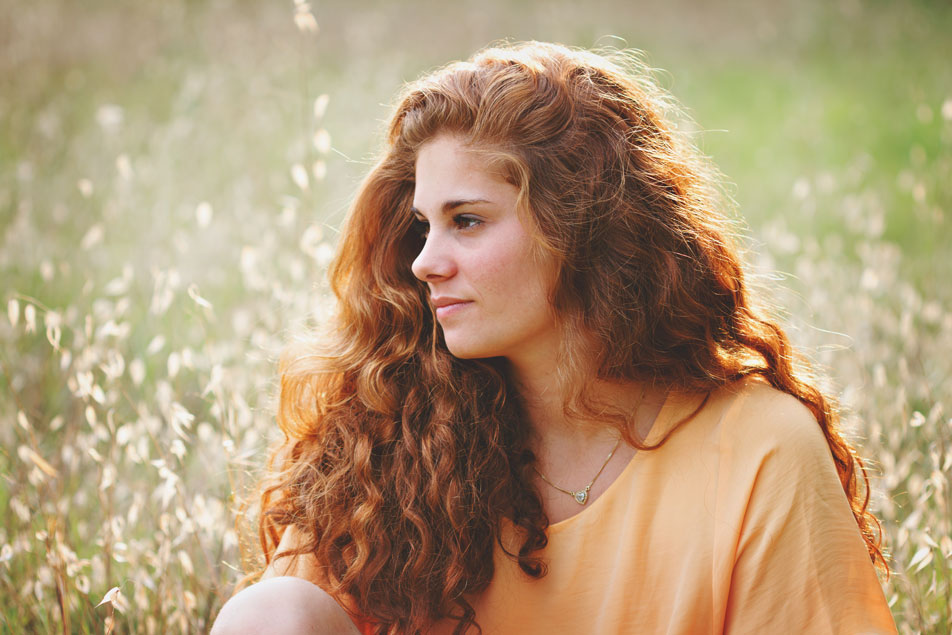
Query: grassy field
(172, 174)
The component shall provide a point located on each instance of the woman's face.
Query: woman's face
(489, 289)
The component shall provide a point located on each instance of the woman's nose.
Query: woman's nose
(434, 262)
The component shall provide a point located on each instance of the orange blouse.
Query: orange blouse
(738, 524)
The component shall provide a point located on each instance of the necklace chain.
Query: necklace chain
(581, 496)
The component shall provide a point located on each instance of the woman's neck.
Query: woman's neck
(544, 389)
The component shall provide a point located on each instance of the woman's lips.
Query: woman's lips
(450, 309)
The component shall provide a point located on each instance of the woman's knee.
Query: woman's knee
(282, 605)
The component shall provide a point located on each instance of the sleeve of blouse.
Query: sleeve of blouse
(801, 565)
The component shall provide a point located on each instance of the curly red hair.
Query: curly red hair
(400, 459)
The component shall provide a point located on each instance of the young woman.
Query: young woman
(550, 402)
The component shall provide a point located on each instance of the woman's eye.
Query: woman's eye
(462, 222)
(420, 227)
(466, 222)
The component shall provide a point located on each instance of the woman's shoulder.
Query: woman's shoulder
(764, 446)
(752, 413)
(756, 392)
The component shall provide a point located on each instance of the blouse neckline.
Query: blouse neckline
(665, 415)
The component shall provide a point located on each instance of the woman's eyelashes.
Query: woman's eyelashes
(464, 221)
(461, 222)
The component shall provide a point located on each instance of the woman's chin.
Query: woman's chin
(464, 353)
(467, 349)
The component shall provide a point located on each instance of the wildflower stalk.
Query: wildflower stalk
(56, 563)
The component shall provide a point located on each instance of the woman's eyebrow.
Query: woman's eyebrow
(449, 206)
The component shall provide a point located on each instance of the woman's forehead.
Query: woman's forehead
(449, 173)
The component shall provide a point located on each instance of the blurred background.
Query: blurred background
(172, 176)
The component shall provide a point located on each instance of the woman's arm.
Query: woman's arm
(287, 600)
(801, 564)
(283, 605)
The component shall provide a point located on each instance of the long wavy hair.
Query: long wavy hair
(401, 460)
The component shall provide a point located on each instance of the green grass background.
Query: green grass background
(145, 378)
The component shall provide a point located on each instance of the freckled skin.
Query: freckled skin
(481, 253)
